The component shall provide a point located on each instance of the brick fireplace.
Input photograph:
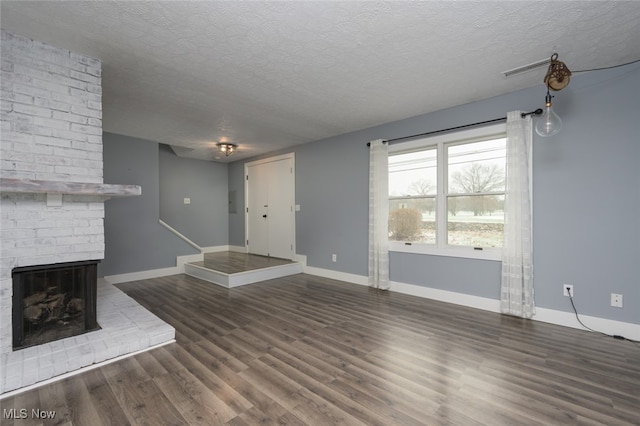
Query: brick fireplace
(52, 202)
(52, 302)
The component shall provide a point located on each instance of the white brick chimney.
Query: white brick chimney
(51, 132)
(52, 200)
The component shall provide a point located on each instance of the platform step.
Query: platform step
(241, 278)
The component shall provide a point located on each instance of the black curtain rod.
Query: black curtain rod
(480, 123)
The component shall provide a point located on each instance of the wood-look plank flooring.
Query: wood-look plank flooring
(304, 350)
(230, 262)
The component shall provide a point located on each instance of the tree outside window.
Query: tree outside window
(468, 186)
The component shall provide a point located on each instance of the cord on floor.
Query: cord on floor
(615, 336)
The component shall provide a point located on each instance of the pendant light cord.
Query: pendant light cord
(608, 68)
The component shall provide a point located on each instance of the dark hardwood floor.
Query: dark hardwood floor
(230, 262)
(307, 350)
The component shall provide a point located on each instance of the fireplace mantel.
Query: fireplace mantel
(74, 188)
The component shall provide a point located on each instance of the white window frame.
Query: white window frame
(441, 248)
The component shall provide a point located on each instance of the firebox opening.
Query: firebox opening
(52, 302)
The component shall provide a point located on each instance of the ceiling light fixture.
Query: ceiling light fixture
(558, 75)
(227, 148)
(557, 78)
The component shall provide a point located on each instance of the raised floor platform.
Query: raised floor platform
(232, 269)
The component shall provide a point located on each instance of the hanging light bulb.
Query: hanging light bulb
(557, 78)
(548, 124)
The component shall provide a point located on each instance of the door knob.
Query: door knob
(264, 215)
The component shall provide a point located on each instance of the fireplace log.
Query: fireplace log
(75, 306)
(33, 314)
(55, 307)
(35, 299)
(44, 307)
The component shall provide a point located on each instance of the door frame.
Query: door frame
(289, 156)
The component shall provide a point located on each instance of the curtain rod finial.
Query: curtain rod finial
(536, 112)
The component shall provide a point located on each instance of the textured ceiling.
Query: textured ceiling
(267, 75)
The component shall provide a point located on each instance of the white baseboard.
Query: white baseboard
(179, 268)
(215, 249)
(301, 259)
(237, 249)
(242, 278)
(607, 326)
(143, 275)
(336, 275)
(163, 272)
(181, 260)
(462, 299)
(551, 316)
(155, 273)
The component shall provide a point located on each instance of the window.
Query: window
(446, 194)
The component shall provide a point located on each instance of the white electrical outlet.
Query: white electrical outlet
(334, 257)
(187, 200)
(567, 290)
(616, 300)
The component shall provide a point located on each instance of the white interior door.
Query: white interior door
(270, 207)
(280, 216)
(257, 211)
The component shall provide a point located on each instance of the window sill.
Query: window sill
(464, 252)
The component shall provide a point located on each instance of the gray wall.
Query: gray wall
(134, 241)
(206, 220)
(586, 198)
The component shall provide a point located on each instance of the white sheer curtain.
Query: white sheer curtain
(516, 295)
(379, 215)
